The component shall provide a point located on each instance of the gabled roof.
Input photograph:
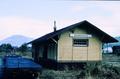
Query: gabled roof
(83, 24)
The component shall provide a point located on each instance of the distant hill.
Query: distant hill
(16, 40)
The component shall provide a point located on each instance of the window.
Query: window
(80, 42)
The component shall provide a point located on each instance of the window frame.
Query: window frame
(80, 44)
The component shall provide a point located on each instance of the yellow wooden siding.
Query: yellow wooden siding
(65, 47)
(67, 52)
(79, 53)
(95, 49)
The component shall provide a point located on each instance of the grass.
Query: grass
(111, 57)
(107, 69)
(93, 71)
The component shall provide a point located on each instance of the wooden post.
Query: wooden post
(35, 52)
(45, 52)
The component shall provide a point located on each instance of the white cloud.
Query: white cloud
(11, 25)
(35, 27)
(77, 8)
(107, 20)
(112, 22)
(113, 8)
(23, 25)
(65, 22)
(109, 25)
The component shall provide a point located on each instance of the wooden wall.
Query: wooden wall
(67, 52)
(51, 51)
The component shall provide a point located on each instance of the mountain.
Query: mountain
(16, 40)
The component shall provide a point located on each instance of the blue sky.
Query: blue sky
(34, 18)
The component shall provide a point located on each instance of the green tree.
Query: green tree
(6, 48)
(23, 48)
